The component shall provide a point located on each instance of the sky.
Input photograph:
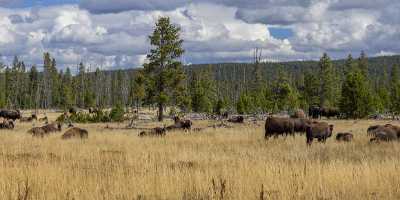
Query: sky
(114, 34)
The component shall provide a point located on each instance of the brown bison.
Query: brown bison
(154, 132)
(387, 132)
(75, 133)
(344, 137)
(45, 130)
(319, 130)
(238, 119)
(180, 124)
(37, 132)
(299, 114)
(7, 124)
(28, 119)
(330, 112)
(278, 126)
(10, 114)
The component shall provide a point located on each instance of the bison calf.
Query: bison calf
(344, 137)
(75, 133)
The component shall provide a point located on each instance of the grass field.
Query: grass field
(214, 164)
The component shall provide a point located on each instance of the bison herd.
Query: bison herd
(275, 127)
(9, 117)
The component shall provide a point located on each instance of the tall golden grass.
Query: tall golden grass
(232, 163)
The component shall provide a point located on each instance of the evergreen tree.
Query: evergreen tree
(138, 89)
(164, 71)
(328, 81)
(395, 91)
(356, 101)
(202, 91)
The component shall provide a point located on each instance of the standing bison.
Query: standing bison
(300, 125)
(318, 130)
(278, 126)
(10, 114)
(299, 114)
(7, 124)
(154, 132)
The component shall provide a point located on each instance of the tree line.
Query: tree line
(357, 86)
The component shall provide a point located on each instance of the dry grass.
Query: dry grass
(215, 164)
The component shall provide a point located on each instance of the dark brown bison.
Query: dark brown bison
(75, 133)
(330, 112)
(387, 132)
(50, 128)
(45, 130)
(37, 132)
(28, 119)
(319, 130)
(278, 126)
(180, 124)
(10, 114)
(314, 112)
(299, 114)
(344, 137)
(237, 119)
(372, 130)
(154, 132)
(385, 136)
(7, 124)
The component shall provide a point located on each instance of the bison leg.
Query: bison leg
(309, 141)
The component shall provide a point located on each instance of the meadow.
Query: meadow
(234, 163)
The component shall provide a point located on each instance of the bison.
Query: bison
(299, 114)
(37, 132)
(344, 137)
(319, 130)
(75, 133)
(180, 124)
(7, 124)
(330, 112)
(278, 126)
(45, 130)
(387, 132)
(154, 132)
(238, 119)
(10, 114)
(314, 112)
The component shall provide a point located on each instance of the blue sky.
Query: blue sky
(113, 33)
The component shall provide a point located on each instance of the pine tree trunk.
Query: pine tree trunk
(160, 112)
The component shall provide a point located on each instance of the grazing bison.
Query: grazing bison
(387, 132)
(10, 114)
(7, 124)
(75, 133)
(154, 132)
(238, 119)
(299, 114)
(344, 137)
(278, 126)
(28, 119)
(319, 130)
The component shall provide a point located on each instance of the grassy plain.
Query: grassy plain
(232, 163)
